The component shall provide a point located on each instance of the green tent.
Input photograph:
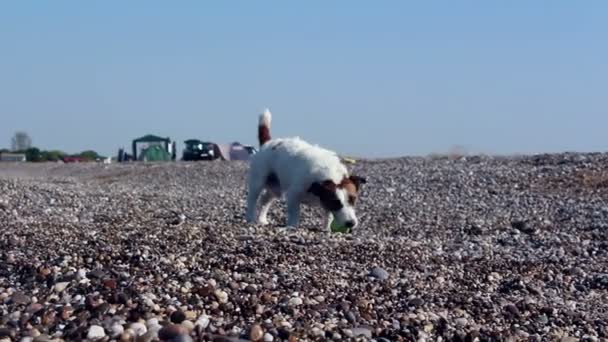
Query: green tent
(155, 153)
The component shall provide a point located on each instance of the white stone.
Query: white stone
(95, 332)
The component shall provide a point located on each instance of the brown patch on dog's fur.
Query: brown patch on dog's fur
(352, 184)
(263, 134)
(326, 191)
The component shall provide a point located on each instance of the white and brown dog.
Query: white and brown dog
(304, 173)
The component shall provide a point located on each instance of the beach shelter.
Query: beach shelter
(148, 141)
(234, 151)
(155, 153)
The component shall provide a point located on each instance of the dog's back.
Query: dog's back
(294, 161)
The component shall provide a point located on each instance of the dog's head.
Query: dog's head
(340, 198)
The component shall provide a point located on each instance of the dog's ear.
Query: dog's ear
(357, 180)
(321, 188)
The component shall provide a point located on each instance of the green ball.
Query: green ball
(337, 228)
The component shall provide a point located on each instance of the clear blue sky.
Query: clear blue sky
(373, 78)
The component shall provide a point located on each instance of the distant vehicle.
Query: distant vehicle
(200, 150)
(73, 159)
(250, 149)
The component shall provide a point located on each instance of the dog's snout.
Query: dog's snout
(349, 224)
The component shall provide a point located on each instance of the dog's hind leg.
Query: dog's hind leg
(268, 197)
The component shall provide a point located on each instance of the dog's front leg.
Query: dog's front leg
(293, 210)
(252, 200)
(266, 201)
(327, 218)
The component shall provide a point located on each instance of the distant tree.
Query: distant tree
(89, 155)
(4, 150)
(54, 155)
(21, 141)
(33, 154)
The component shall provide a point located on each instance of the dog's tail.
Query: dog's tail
(264, 127)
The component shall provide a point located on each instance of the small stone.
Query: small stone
(512, 309)
(171, 331)
(221, 296)
(152, 322)
(177, 317)
(256, 333)
(127, 335)
(97, 273)
(151, 335)
(109, 284)
(542, 319)
(202, 322)
(204, 290)
(138, 328)
(8, 332)
(116, 330)
(295, 301)
(522, 226)
(316, 332)
(416, 302)
(33, 308)
(34, 332)
(569, 339)
(190, 315)
(61, 286)
(182, 338)
(20, 299)
(362, 331)
(461, 322)
(379, 273)
(81, 274)
(350, 316)
(268, 337)
(188, 325)
(96, 332)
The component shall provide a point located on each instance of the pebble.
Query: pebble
(379, 273)
(295, 301)
(20, 299)
(7, 332)
(171, 331)
(178, 317)
(189, 326)
(221, 296)
(96, 332)
(182, 338)
(60, 287)
(256, 333)
(116, 330)
(138, 329)
(202, 321)
(461, 322)
(361, 331)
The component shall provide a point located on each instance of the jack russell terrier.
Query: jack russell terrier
(304, 173)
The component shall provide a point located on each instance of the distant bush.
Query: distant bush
(33, 154)
(53, 156)
(90, 155)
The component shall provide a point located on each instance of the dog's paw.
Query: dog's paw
(263, 222)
